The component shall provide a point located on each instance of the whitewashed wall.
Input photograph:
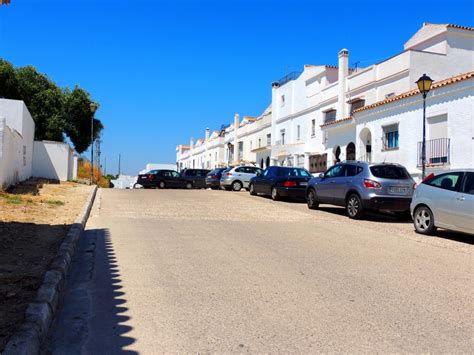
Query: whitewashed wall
(53, 160)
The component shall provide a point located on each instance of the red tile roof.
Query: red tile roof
(330, 123)
(414, 92)
(460, 27)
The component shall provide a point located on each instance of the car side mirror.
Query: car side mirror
(321, 176)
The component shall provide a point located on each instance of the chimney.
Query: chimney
(343, 72)
(207, 134)
(191, 143)
(236, 145)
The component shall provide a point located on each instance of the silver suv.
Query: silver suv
(361, 186)
(237, 177)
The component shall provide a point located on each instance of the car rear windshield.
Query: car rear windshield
(389, 172)
(293, 172)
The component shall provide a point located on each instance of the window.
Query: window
(269, 139)
(357, 103)
(282, 133)
(449, 181)
(259, 142)
(174, 174)
(330, 116)
(298, 132)
(351, 170)
(391, 94)
(390, 137)
(389, 172)
(468, 184)
(335, 171)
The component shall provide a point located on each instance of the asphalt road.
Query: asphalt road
(215, 271)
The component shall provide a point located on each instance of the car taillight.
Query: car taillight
(414, 186)
(290, 184)
(150, 177)
(371, 184)
(215, 177)
(229, 174)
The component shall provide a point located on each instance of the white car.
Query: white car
(445, 201)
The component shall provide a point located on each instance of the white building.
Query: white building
(17, 130)
(314, 113)
(156, 166)
(248, 144)
(54, 160)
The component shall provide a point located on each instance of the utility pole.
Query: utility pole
(105, 166)
(119, 164)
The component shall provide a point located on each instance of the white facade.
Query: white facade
(332, 113)
(54, 160)
(16, 142)
(156, 166)
(126, 181)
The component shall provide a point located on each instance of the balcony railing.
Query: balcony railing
(437, 151)
(292, 76)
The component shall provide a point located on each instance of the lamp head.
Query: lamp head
(424, 84)
(93, 107)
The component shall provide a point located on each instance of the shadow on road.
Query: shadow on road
(94, 309)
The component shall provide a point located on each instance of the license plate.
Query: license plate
(397, 190)
(303, 183)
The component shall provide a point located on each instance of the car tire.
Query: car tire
(354, 207)
(311, 200)
(423, 221)
(275, 195)
(252, 190)
(189, 185)
(237, 186)
(161, 185)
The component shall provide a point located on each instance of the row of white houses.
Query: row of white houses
(328, 114)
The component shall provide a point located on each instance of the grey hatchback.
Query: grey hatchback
(361, 186)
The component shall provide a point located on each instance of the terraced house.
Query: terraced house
(327, 114)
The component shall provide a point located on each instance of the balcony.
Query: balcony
(437, 152)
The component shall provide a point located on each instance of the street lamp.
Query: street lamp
(93, 107)
(424, 85)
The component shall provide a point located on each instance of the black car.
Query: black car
(161, 179)
(213, 179)
(194, 178)
(279, 182)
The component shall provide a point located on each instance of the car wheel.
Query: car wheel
(161, 185)
(189, 185)
(311, 200)
(354, 207)
(252, 190)
(424, 221)
(236, 186)
(275, 194)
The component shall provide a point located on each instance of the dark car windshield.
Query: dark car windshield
(389, 172)
(293, 172)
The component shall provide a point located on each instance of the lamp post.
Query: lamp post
(93, 107)
(424, 85)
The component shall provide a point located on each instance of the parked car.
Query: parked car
(445, 201)
(213, 179)
(279, 182)
(361, 186)
(194, 178)
(238, 177)
(161, 179)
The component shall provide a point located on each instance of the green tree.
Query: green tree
(78, 119)
(45, 101)
(8, 81)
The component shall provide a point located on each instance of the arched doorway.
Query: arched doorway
(365, 139)
(261, 163)
(267, 162)
(337, 154)
(351, 151)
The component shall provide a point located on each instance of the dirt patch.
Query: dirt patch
(34, 219)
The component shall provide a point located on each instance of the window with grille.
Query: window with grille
(390, 137)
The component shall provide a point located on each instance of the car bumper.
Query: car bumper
(393, 204)
(226, 182)
(145, 183)
(213, 183)
(292, 192)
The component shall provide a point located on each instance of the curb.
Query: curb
(41, 312)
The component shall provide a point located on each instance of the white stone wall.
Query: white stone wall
(53, 160)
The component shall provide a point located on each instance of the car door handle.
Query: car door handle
(462, 198)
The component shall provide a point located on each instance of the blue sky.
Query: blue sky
(163, 71)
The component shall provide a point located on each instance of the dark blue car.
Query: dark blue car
(280, 182)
